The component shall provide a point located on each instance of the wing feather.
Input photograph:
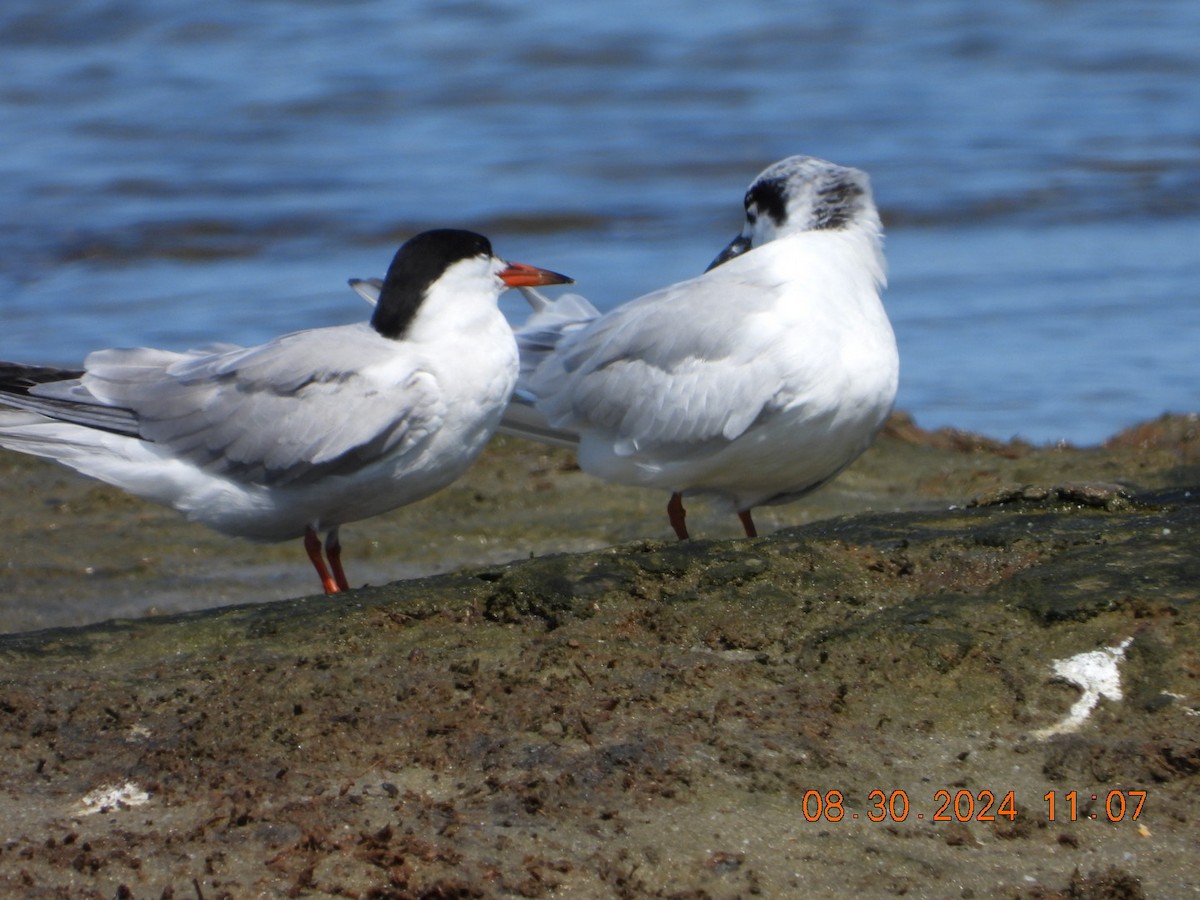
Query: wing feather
(298, 408)
(685, 365)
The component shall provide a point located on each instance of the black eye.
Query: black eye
(767, 198)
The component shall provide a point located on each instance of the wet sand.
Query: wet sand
(863, 702)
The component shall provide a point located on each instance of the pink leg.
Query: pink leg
(312, 544)
(676, 514)
(333, 549)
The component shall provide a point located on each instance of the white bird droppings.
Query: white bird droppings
(111, 797)
(1098, 675)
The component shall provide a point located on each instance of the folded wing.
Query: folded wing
(299, 408)
(686, 366)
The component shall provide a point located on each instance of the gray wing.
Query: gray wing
(686, 365)
(286, 412)
(546, 328)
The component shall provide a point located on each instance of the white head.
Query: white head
(799, 194)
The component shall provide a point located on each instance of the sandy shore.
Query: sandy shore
(881, 697)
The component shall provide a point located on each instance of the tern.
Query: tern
(306, 432)
(754, 383)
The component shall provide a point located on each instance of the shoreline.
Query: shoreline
(79, 551)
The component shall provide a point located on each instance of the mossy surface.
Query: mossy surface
(721, 718)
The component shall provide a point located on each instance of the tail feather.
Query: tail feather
(121, 460)
(367, 288)
(81, 447)
(549, 323)
(16, 376)
(60, 394)
(522, 419)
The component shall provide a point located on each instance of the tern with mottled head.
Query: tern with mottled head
(753, 383)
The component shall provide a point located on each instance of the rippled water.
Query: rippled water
(174, 174)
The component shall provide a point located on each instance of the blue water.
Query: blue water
(173, 174)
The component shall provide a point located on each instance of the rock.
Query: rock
(851, 706)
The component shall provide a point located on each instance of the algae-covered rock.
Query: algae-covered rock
(973, 673)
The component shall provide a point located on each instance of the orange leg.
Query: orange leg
(676, 514)
(312, 545)
(333, 549)
(748, 523)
